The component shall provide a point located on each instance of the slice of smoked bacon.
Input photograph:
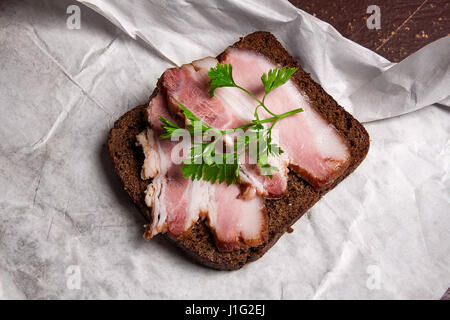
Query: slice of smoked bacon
(177, 203)
(313, 147)
(316, 151)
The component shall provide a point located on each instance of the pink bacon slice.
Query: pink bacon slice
(177, 203)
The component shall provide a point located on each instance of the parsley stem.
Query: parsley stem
(261, 103)
(284, 115)
(272, 119)
(248, 92)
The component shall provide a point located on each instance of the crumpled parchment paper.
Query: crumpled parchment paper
(67, 230)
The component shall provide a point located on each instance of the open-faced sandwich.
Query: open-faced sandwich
(231, 151)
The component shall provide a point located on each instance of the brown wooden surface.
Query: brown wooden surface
(446, 295)
(406, 25)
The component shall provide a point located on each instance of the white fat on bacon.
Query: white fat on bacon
(150, 167)
(177, 203)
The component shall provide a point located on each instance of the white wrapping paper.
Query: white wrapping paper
(67, 230)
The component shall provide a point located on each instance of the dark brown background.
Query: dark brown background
(406, 25)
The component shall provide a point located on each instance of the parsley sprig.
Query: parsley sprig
(207, 164)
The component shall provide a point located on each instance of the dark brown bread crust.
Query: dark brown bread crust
(282, 213)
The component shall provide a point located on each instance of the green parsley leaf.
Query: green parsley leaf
(276, 77)
(169, 127)
(220, 76)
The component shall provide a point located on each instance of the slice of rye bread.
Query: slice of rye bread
(282, 213)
